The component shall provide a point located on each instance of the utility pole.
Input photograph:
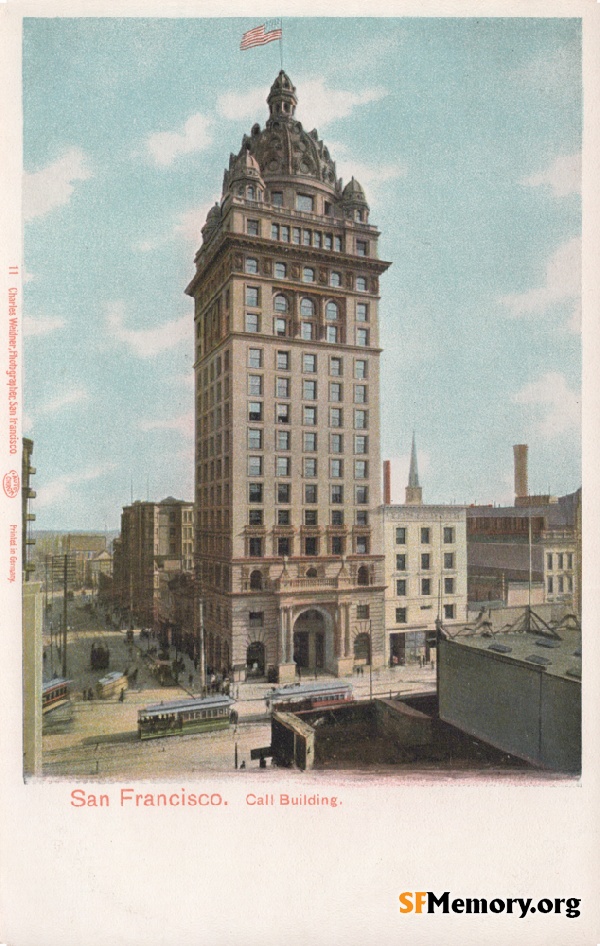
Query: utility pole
(64, 639)
(202, 651)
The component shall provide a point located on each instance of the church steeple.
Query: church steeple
(414, 493)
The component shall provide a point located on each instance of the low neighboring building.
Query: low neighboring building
(518, 689)
(425, 571)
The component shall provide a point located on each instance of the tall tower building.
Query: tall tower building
(288, 476)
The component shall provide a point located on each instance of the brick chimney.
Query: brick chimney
(521, 484)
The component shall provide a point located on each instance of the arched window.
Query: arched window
(331, 311)
(311, 573)
(308, 274)
(307, 308)
(256, 581)
(251, 265)
(280, 304)
(363, 575)
(251, 193)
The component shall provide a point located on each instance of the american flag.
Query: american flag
(266, 33)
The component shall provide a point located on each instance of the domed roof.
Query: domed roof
(284, 148)
(245, 167)
(354, 192)
(214, 214)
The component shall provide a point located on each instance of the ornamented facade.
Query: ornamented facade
(286, 292)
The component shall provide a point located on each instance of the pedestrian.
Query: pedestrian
(243, 765)
(190, 679)
(122, 696)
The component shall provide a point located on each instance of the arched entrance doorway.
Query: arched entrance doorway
(313, 641)
(362, 649)
(255, 659)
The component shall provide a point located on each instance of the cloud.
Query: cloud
(165, 146)
(320, 105)
(370, 176)
(187, 226)
(33, 326)
(74, 396)
(563, 176)
(53, 185)
(148, 342)
(562, 284)
(556, 408)
(556, 74)
(183, 424)
(58, 489)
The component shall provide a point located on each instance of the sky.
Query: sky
(466, 136)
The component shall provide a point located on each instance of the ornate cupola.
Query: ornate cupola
(245, 179)
(282, 99)
(354, 201)
(213, 219)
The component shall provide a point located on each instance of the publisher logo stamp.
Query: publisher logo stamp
(425, 901)
(11, 484)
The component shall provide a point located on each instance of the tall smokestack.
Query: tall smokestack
(521, 485)
(387, 483)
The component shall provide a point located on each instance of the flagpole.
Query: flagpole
(281, 44)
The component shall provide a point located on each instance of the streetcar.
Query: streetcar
(309, 696)
(178, 717)
(56, 702)
(111, 685)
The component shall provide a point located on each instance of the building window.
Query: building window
(255, 492)
(337, 545)
(361, 283)
(283, 517)
(335, 417)
(255, 466)
(400, 615)
(328, 241)
(254, 439)
(362, 312)
(337, 244)
(361, 470)
(283, 361)
(310, 466)
(311, 545)
(282, 413)
(309, 364)
(401, 563)
(425, 561)
(280, 271)
(256, 618)
(425, 536)
(360, 368)
(361, 443)
(331, 311)
(337, 494)
(307, 308)
(336, 443)
(309, 442)
(284, 492)
(280, 303)
(425, 586)
(308, 274)
(335, 391)
(560, 561)
(361, 495)
(282, 387)
(307, 331)
(252, 227)
(335, 367)
(362, 337)
(283, 466)
(448, 586)
(362, 517)
(285, 234)
(337, 517)
(400, 536)
(570, 582)
(362, 544)
(550, 585)
(283, 546)
(361, 248)
(252, 297)
(255, 357)
(360, 420)
(274, 231)
(251, 267)
(448, 535)
(296, 235)
(306, 237)
(309, 390)
(570, 560)
(283, 439)
(281, 327)
(255, 385)
(549, 561)
(252, 322)
(305, 203)
(561, 585)
(449, 612)
(277, 198)
(331, 334)
(336, 469)
(310, 493)
(335, 279)
(255, 547)
(310, 416)
(401, 587)
(360, 393)
(255, 517)
(311, 517)
(316, 238)
(255, 410)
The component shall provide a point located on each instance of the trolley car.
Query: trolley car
(308, 696)
(178, 717)
(56, 702)
(110, 685)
